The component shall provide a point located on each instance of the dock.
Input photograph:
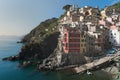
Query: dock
(95, 63)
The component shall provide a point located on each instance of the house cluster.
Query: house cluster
(89, 31)
(111, 19)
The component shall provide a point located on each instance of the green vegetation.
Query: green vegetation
(66, 7)
(43, 30)
(41, 41)
(115, 6)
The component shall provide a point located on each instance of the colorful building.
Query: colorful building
(84, 30)
(83, 42)
(71, 40)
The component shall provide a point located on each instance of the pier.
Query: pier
(95, 63)
(88, 66)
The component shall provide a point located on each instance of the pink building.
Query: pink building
(71, 40)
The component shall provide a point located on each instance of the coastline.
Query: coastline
(56, 72)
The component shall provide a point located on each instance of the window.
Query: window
(99, 45)
(65, 35)
(84, 36)
(84, 44)
(81, 45)
(70, 40)
(114, 41)
(99, 36)
(83, 50)
(82, 40)
(65, 39)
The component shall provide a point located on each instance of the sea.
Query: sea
(10, 70)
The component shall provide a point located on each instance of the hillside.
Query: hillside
(39, 42)
(43, 30)
(115, 6)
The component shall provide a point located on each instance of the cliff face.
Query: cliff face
(41, 41)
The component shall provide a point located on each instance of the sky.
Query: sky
(19, 17)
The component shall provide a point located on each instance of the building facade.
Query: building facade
(94, 44)
(114, 37)
(71, 40)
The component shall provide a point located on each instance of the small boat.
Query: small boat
(88, 72)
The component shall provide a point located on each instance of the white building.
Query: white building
(114, 37)
(73, 7)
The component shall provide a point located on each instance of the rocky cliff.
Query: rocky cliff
(41, 41)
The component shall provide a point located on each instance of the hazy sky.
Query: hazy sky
(18, 17)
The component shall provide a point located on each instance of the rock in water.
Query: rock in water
(11, 58)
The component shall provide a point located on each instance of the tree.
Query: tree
(66, 7)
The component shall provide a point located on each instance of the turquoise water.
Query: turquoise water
(11, 71)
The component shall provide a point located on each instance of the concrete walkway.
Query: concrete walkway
(95, 63)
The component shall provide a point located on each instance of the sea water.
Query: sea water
(10, 70)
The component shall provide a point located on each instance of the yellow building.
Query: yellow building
(103, 13)
(81, 18)
(83, 43)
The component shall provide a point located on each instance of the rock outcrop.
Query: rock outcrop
(39, 51)
(12, 58)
